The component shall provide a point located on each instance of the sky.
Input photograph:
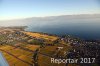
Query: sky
(17, 9)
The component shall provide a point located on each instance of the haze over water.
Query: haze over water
(85, 27)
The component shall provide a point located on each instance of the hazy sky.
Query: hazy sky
(14, 9)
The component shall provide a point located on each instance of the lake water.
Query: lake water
(83, 28)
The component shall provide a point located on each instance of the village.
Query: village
(23, 48)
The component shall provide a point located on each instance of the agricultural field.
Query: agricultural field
(17, 56)
(42, 36)
(22, 48)
(18, 47)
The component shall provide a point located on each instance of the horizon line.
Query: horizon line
(46, 16)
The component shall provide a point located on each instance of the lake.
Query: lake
(85, 28)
